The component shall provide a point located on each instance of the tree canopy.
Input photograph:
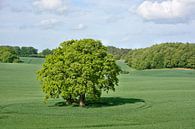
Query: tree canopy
(28, 51)
(78, 69)
(23, 51)
(165, 55)
(118, 53)
(45, 52)
(8, 55)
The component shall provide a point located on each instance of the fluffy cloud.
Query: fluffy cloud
(48, 23)
(80, 27)
(44, 24)
(171, 11)
(58, 6)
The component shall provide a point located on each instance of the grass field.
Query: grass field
(150, 99)
(32, 60)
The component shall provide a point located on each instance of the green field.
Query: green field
(31, 60)
(150, 99)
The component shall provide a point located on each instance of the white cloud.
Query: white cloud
(45, 24)
(58, 6)
(171, 11)
(80, 27)
(48, 23)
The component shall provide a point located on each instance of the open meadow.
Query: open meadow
(148, 99)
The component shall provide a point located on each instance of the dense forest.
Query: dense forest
(118, 53)
(165, 55)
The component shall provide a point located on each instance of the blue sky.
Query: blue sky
(121, 23)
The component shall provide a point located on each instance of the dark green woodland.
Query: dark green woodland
(166, 55)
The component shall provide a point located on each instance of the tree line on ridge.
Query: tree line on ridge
(164, 55)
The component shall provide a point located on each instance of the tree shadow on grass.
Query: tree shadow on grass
(106, 102)
(113, 101)
(60, 104)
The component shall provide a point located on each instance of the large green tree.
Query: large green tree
(78, 69)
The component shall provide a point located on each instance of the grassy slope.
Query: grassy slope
(152, 99)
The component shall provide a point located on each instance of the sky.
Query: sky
(120, 23)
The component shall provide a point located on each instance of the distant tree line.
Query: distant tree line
(11, 54)
(23, 51)
(118, 53)
(27, 51)
(8, 55)
(45, 52)
(165, 55)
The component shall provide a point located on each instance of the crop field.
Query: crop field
(32, 60)
(149, 99)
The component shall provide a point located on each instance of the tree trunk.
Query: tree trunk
(82, 100)
(69, 100)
